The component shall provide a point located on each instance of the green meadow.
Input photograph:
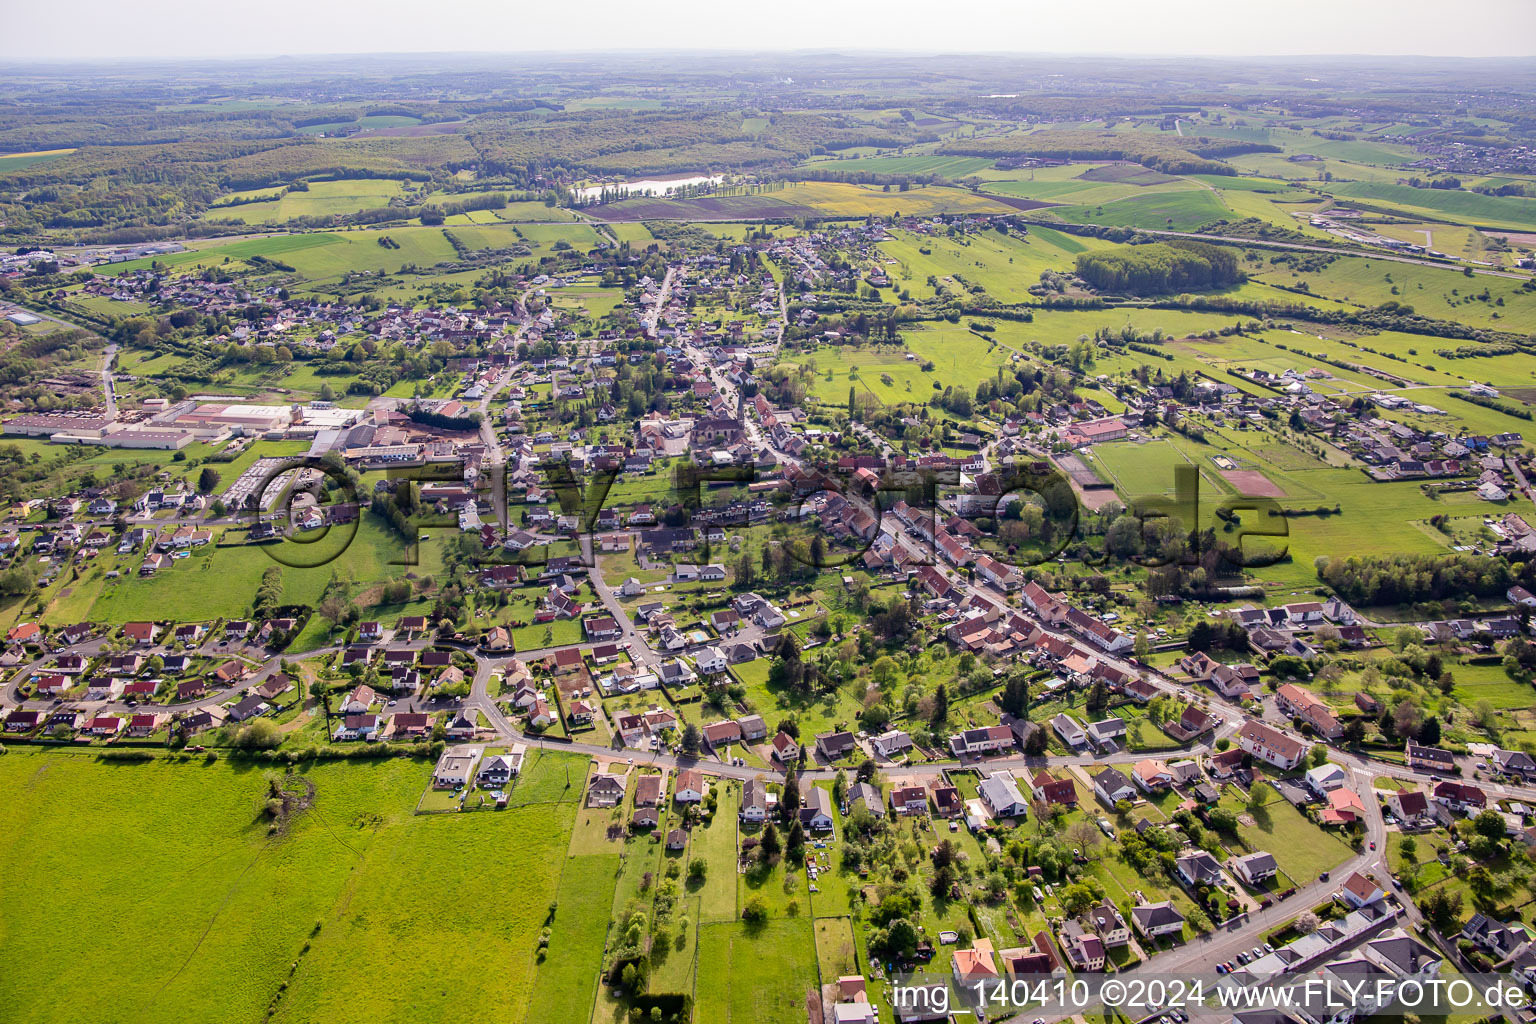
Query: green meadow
(21, 161)
(1171, 211)
(220, 581)
(323, 198)
(756, 974)
(1481, 300)
(194, 909)
(1451, 204)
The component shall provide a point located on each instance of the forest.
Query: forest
(1160, 268)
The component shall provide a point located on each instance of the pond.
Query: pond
(646, 186)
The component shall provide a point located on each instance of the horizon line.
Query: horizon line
(567, 53)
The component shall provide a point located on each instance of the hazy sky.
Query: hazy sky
(131, 29)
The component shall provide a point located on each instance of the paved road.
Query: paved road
(639, 646)
(108, 391)
(651, 319)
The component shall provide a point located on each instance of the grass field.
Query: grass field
(520, 212)
(756, 974)
(207, 255)
(21, 161)
(220, 581)
(323, 198)
(207, 910)
(324, 256)
(816, 714)
(716, 844)
(1171, 211)
(1445, 294)
(1446, 204)
(566, 982)
(389, 913)
(1004, 264)
(801, 199)
(1302, 849)
(1140, 469)
(961, 359)
(836, 954)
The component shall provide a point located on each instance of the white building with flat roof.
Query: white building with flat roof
(250, 418)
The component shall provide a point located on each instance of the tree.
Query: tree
(769, 842)
(789, 801)
(691, 739)
(1442, 909)
(207, 480)
(698, 868)
(1429, 732)
(258, 734)
(1036, 741)
(898, 939)
(940, 705)
(1407, 718)
(1489, 824)
(1223, 819)
(1015, 696)
(1098, 698)
(840, 787)
(1083, 835)
(755, 910)
(795, 847)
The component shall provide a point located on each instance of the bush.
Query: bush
(258, 734)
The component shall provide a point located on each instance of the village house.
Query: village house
(454, 769)
(1110, 786)
(1431, 759)
(1109, 925)
(1153, 920)
(835, 745)
(1271, 745)
(909, 800)
(754, 801)
(690, 786)
(979, 742)
(816, 809)
(1255, 868)
(1048, 789)
(606, 790)
(1408, 805)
